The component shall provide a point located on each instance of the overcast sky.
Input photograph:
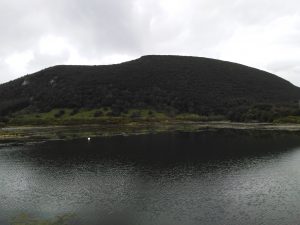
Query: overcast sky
(40, 33)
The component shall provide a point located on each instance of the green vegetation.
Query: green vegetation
(196, 117)
(258, 113)
(177, 87)
(101, 116)
(288, 119)
(25, 219)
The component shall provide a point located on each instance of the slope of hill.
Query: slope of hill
(171, 84)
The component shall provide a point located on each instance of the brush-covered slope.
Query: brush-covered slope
(169, 83)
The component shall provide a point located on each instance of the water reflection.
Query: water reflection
(219, 177)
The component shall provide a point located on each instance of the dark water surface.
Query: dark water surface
(216, 177)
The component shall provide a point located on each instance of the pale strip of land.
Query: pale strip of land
(44, 133)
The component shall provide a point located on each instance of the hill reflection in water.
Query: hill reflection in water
(216, 177)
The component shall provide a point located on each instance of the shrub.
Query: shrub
(74, 112)
(135, 115)
(98, 114)
(60, 113)
(150, 113)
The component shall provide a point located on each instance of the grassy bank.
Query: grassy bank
(73, 124)
(100, 116)
(288, 120)
(23, 134)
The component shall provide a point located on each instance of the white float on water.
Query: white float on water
(89, 139)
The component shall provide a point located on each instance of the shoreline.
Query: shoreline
(23, 134)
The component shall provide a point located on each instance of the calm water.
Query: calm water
(219, 177)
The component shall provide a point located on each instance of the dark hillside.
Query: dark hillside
(168, 83)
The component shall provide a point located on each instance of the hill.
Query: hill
(170, 84)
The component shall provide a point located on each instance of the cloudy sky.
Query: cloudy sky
(40, 33)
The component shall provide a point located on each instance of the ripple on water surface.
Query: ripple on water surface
(181, 178)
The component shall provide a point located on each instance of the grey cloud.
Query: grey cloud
(97, 29)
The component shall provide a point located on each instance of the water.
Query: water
(217, 177)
